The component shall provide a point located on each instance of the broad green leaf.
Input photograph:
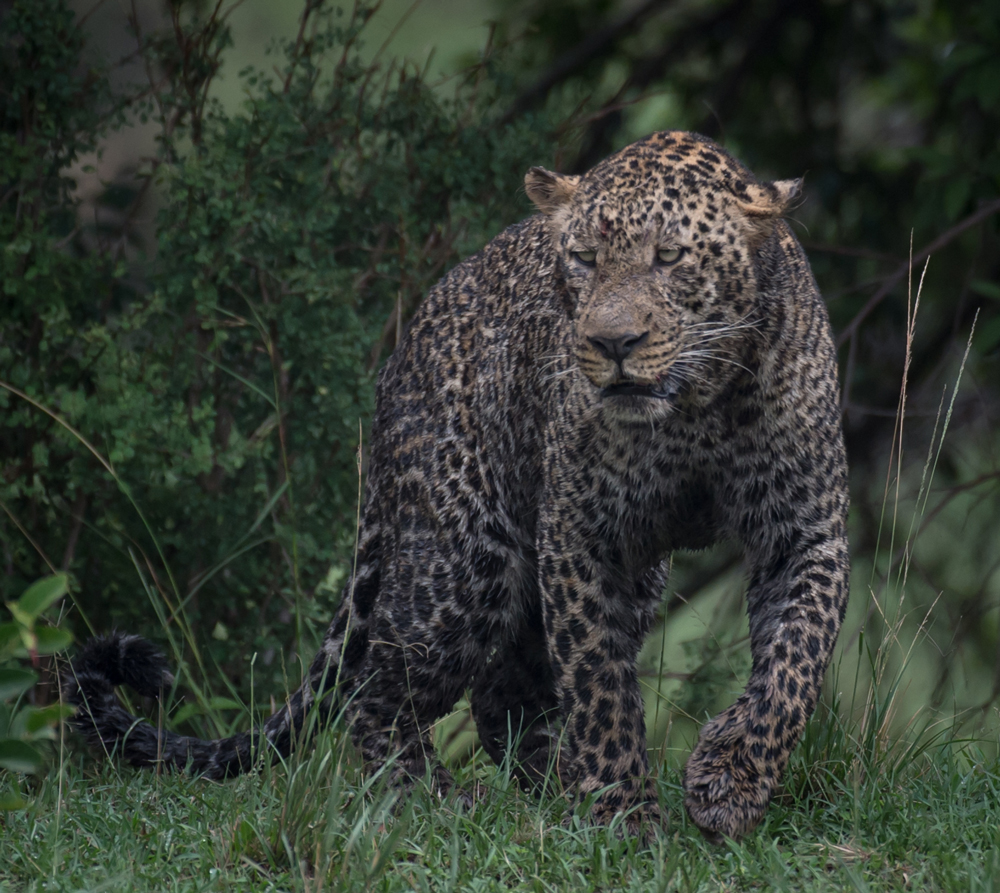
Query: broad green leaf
(46, 717)
(17, 727)
(216, 703)
(11, 800)
(19, 756)
(186, 712)
(9, 636)
(221, 703)
(51, 639)
(14, 682)
(986, 288)
(43, 593)
(22, 618)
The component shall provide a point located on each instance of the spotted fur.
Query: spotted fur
(645, 365)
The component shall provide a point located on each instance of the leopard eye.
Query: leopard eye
(587, 258)
(668, 256)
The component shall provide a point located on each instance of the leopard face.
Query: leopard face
(655, 246)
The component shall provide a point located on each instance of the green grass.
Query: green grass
(853, 815)
(880, 795)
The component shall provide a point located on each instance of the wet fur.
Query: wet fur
(526, 488)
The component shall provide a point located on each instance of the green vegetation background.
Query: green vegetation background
(207, 252)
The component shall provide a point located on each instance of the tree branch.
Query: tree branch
(764, 36)
(986, 211)
(596, 142)
(598, 43)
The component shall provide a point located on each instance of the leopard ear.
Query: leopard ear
(547, 190)
(769, 199)
(764, 203)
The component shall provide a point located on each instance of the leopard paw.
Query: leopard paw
(638, 819)
(727, 788)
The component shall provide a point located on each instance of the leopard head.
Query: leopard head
(657, 247)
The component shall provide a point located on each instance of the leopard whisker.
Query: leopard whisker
(744, 322)
(710, 335)
(553, 359)
(709, 356)
(720, 326)
(552, 376)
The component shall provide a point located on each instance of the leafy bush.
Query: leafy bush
(187, 422)
(23, 725)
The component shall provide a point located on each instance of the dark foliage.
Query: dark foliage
(184, 417)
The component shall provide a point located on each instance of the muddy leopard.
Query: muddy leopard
(644, 365)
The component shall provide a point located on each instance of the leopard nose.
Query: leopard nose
(617, 347)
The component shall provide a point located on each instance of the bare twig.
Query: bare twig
(848, 251)
(27, 536)
(76, 513)
(891, 281)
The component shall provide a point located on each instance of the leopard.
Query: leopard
(644, 365)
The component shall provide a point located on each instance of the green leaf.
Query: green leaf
(23, 619)
(14, 682)
(986, 288)
(216, 703)
(51, 639)
(11, 800)
(19, 756)
(43, 593)
(221, 703)
(186, 712)
(10, 635)
(46, 717)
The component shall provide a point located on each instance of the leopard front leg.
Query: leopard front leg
(796, 605)
(595, 621)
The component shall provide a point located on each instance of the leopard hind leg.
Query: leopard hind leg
(405, 684)
(515, 707)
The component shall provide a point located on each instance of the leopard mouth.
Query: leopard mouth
(669, 387)
(630, 389)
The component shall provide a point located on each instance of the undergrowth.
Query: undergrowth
(316, 824)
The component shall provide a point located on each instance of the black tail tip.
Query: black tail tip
(123, 659)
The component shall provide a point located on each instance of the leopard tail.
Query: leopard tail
(105, 662)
